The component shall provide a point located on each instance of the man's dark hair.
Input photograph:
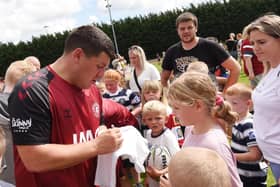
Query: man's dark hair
(91, 39)
(186, 16)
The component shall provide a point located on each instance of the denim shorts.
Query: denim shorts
(275, 170)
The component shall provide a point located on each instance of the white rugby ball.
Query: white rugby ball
(159, 157)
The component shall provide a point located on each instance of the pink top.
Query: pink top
(215, 139)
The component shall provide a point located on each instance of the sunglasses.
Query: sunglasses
(134, 47)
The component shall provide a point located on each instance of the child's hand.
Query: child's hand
(153, 172)
(164, 182)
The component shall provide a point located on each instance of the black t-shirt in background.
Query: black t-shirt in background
(178, 59)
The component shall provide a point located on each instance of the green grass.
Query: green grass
(244, 79)
(270, 179)
(156, 63)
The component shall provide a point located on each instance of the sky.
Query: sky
(22, 19)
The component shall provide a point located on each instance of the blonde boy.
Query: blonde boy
(34, 61)
(14, 73)
(198, 66)
(201, 67)
(199, 167)
(155, 116)
(250, 168)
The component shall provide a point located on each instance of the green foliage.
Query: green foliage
(46, 47)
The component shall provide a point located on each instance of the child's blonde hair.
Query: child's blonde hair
(113, 75)
(198, 66)
(153, 85)
(199, 167)
(241, 90)
(17, 70)
(192, 86)
(154, 106)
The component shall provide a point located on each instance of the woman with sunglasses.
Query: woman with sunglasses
(142, 70)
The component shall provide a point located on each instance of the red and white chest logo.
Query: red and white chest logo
(96, 110)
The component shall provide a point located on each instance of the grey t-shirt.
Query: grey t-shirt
(5, 184)
(7, 174)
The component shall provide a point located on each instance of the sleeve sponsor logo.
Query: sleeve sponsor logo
(19, 125)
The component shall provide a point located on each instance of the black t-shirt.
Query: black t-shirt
(178, 59)
(231, 45)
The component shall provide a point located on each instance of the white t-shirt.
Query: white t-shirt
(266, 99)
(134, 147)
(150, 72)
(166, 139)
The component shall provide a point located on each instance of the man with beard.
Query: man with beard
(192, 48)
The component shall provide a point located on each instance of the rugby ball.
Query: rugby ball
(158, 157)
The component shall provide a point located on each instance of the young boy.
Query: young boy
(252, 171)
(155, 116)
(14, 73)
(198, 66)
(201, 67)
(199, 167)
(114, 91)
